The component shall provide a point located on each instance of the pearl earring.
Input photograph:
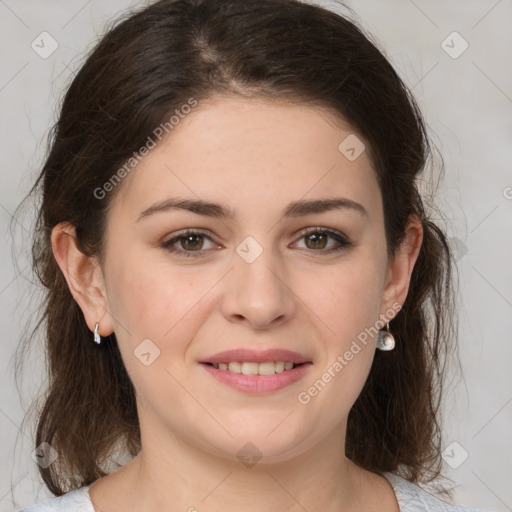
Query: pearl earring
(385, 340)
(97, 337)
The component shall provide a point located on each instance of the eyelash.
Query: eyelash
(338, 237)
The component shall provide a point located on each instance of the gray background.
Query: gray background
(467, 104)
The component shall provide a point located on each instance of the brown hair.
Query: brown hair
(144, 68)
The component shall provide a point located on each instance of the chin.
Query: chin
(260, 446)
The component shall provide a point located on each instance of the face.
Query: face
(272, 273)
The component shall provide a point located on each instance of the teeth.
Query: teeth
(280, 366)
(248, 368)
(235, 367)
(251, 368)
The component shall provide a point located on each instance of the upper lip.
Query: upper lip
(256, 356)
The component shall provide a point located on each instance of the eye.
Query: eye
(316, 240)
(190, 241)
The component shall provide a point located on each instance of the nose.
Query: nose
(259, 293)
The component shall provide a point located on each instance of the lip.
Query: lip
(258, 384)
(255, 356)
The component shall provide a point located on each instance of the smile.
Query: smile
(256, 378)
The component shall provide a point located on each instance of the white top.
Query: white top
(410, 497)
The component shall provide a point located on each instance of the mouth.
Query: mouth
(256, 378)
(252, 371)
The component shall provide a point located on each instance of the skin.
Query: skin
(255, 157)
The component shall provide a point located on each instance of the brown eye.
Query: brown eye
(317, 240)
(188, 243)
(191, 242)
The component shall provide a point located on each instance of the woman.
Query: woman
(245, 296)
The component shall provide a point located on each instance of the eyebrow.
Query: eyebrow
(295, 209)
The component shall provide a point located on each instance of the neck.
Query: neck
(175, 473)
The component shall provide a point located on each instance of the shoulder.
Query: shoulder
(73, 501)
(412, 498)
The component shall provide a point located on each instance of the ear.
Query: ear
(401, 266)
(84, 277)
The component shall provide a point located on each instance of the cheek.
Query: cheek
(150, 300)
(345, 298)
(154, 320)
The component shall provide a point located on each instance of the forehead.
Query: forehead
(251, 152)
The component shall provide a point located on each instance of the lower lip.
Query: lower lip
(257, 384)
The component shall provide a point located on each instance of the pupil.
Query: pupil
(317, 238)
(192, 238)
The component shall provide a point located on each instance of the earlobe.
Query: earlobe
(84, 277)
